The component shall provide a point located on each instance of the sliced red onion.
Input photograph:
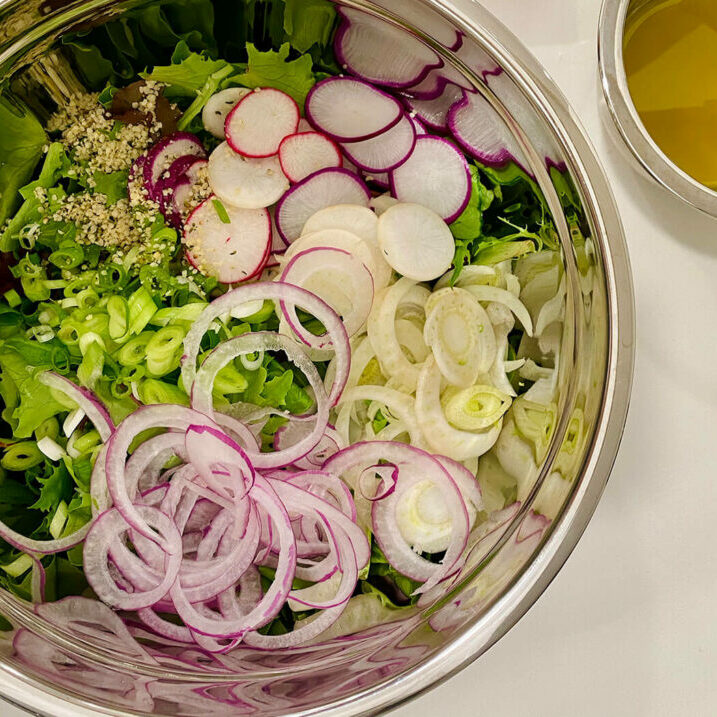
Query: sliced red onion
(380, 52)
(413, 465)
(338, 340)
(335, 276)
(250, 343)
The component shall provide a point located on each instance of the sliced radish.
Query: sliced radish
(244, 182)
(480, 130)
(416, 242)
(434, 112)
(381, 53)
(436, 175)
(307, 152)
(180, 198)
(304, 126)
(350, 110)
(386, 151)
(383, 203)
(164, 153)
(214, 115)
(337, 277)
(348, 217)
(278, 245)
(261, 120)
(322, 189)
(232, 251)
(368, 252)
(419, 127)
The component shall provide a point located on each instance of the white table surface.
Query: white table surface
(628, 627)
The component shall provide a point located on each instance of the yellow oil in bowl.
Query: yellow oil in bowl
(670, 57)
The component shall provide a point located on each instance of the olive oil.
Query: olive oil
(670, 56)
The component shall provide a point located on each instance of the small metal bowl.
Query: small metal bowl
(617, 94)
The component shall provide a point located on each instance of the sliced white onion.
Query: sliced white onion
(439, 434)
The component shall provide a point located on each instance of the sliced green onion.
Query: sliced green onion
(264, 314)
(535, 422)
(162, 366)
(166, 342)
(190, 312)
(86, 340)
(87, 299)
(51, 449)
(229, 380)
(78, 284)
(67, 258)
(35, 288)
(221, 211)
(141, 310)
(57, 524)
(85, 443)
(111, 277)
(93, 362)
(69, 333)
(49, 428)
(42, 334)
(118, 311)
(131, 374)
(152, 391)
(49, 314)
(21, 456)
(13, 298)
(475, 408)
(18, 567)
(135, 351)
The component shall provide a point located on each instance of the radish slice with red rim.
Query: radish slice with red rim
(379, 52)
(361, 221)
(244, 182)
(416, 242)
(367, 251)
(232, 251)
(434, 112)
(386, 151)
(480, 130)
(337, 277)
(436, 175)
(322, 189)
(164, 153)
(215, 112)
(304, 153)
(348, 109)
(261, 120)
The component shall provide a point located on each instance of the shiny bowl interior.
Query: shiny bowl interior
(613, 19)
(392, 662)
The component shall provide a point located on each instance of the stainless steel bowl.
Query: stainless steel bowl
(67, 675)
(613, 18)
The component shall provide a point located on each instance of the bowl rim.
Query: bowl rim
(624, 114)
(532, 79)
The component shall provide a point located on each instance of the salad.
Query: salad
(279, 338)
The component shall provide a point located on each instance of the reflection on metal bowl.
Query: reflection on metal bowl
(64, 666)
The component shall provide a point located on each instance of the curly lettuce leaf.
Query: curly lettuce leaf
(189, 73)
(54, 489)
(275, 69)
(28, 403)
(21, 147)
(308, 23)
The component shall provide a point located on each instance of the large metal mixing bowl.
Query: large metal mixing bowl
(391, 663)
